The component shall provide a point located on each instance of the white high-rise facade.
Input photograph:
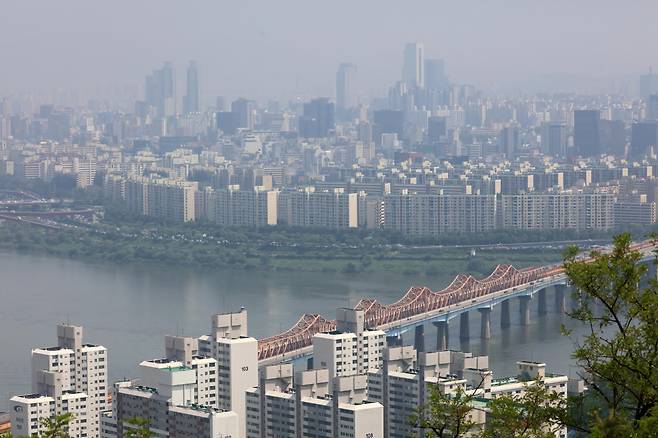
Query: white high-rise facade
(413, 70)
(71, 377)
(237, 361)
(351, 349)
(307, 407)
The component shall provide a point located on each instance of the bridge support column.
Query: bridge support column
(485, 329)
(525, 309)
(442, 338)
(560, 300)
(505, 320)
(541, 302)
(464, 327)
(419, 338)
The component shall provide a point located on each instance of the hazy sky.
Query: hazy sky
(281, 47)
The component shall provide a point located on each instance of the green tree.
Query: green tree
(57, 426)
(536, 413)
(447, 415)
(139, 428)
(619, 354)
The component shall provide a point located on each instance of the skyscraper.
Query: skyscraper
(510, 142)
(191, 99)
(436, 128)
(160, 90)
(554, 139)
(345, 95)
(245, 110)
(587, 132)
(644, 136)
(652, 107)
(648, 84)
(413, 70)
(318, 118)
(435, 78)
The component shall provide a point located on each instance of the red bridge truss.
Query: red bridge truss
(416, 301)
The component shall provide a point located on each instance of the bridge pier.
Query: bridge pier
(560, 299)
(505, 320)
(485, 329)
(464, 328)
(419, 338)
(525, 309)
(442, 336)
(541, 302)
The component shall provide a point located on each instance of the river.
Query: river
(129, 309)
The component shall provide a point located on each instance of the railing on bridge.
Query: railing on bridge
(417, 301)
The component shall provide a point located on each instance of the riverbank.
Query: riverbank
(193, 248)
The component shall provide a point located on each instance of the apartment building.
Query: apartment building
(71, 377)
(407, 376)
(563, 210)
(309, 207)
(351, 349)
(237, 360)
(85, 171)
(244, 208)
(635, 211)
(164, 198)
(169, 419)
(434, 214)
(306, 407)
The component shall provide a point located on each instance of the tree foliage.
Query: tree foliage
(139, 428)
(619, 354)
(446, 415)
(536, 413)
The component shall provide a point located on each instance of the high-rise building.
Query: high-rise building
(191, 99)
(612, 137)
(345, 92)
(244, 109)
(318, 119)
(554, 139)
(160, 91)
(587, 132)
(648, 84)
(644, 138)
(237, 361)
(388, 122)
(165, 198)
(322, 208)
(235, 207)
(413, 69)
(435, 77)
(510, 142)
(652, 107)
(306, 407)
(71, 377)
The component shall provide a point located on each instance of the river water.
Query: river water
(129, 309)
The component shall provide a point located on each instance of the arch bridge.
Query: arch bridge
(420, 306)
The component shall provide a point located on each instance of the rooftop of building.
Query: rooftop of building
(30, 396)
(141, 388)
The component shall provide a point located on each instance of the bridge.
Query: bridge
(420, 305)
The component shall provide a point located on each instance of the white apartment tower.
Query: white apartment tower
(306, 407)
(237, 361)
(351, 349)
(71, 377)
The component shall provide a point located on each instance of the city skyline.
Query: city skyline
(527, 50)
